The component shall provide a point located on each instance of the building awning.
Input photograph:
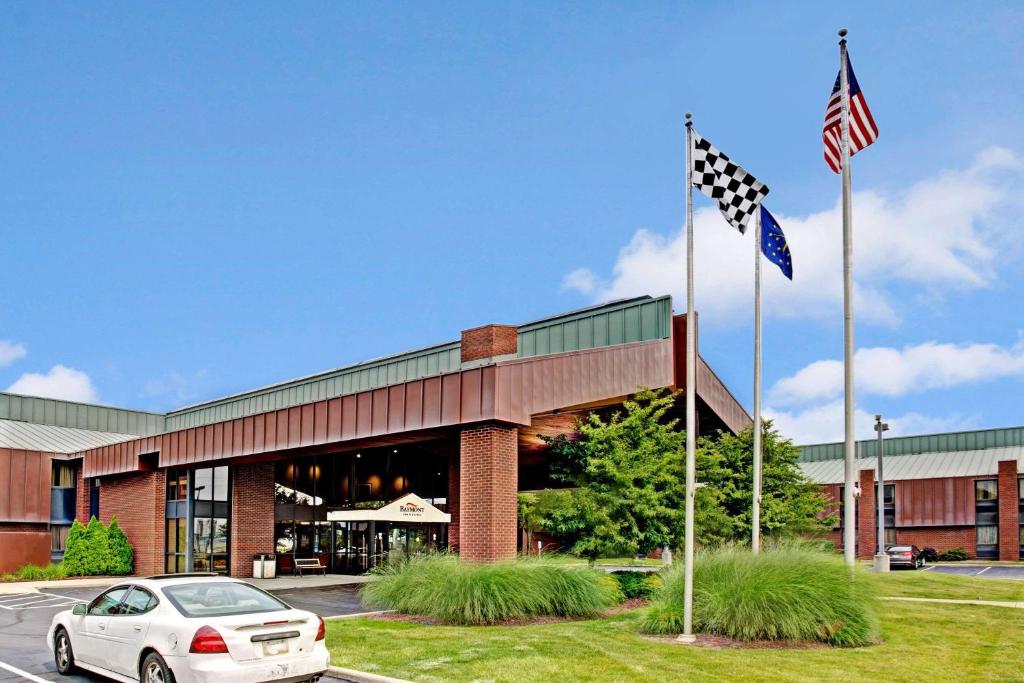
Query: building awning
(410, 508)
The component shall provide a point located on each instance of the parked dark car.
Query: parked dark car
(909, 556)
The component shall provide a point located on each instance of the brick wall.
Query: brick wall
(487, 341)
(252, 514)
(453, 501)
(1009, 512)
(939, 537)
(82, 498)
(137, 500)
(488, 473)
(867, 516)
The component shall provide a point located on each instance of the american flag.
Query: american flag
(863, 130)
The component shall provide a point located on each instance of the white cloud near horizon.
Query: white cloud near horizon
(824, 423)
(885, 371)
(11, 351)
(942, 233)
(60, 382)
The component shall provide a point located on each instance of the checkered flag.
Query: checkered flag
(737, 192)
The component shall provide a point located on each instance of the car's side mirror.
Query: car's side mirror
(79, 609)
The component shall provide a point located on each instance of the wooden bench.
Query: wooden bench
(312, 564)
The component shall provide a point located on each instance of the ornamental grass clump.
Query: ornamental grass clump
(784, 594)
(454, 592)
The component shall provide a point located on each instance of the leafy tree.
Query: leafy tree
(791, 504)
(554, 511)
(629, 471)
(74, 561)
(120, 555)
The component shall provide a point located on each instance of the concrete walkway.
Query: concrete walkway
(948, 601)
(278, 584)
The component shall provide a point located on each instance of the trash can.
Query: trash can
(264, 566)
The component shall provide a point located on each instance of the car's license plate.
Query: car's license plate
(275, 647)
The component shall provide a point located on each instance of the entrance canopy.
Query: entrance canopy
(410, 509)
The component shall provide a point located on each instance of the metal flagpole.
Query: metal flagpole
(755, 535)
(691, 397)
(849, 502)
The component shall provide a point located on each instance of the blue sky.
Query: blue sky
(200, 200)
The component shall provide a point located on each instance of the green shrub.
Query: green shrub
(641, 585)
(953, 555)
(120, 557)
(75, 551)
(97, 550)
(786, 593)
(455, 592)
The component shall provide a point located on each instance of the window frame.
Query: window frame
(151, 605)
(92, 605)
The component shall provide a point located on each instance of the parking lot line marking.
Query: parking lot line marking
(983, 571)
(929, 568)
(66, 597)
(24, 674)
(14, 597)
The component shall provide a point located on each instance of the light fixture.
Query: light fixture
(395, 451)
(359, 455)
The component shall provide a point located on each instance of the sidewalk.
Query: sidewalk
(949, 601)
(278, 584)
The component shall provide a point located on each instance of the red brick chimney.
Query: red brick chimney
(488, 341)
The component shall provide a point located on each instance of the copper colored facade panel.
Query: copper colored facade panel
(24, 485)
(935, 502)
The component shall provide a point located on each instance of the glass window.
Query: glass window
(177, 485)
(107, 602)
(220, 599)
(59, 537)
(986, 489)
(285, 535)
(220, 483)
(202, 484)
(987, 535)
(64, 474)
(220, 535)
(986, 517)
(1020, 489)
(139, 601)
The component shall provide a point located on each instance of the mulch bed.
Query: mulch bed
(631, 604)
(725, 643)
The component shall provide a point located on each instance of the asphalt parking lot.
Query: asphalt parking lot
(25, 619)
(993, 571)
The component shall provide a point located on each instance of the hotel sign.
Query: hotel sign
(411, 509)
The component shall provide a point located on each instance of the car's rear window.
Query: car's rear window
(901, 548)
(219, 599)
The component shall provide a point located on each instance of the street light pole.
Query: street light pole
(881, 559)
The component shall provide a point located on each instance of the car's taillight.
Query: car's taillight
(207, 641)
(321, 631)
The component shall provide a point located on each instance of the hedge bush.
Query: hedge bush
(788, 593)
(641, 585)
(953, 555)
(96, 549)
(456, 592)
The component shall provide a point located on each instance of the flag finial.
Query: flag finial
(689, 122)
(842, 35)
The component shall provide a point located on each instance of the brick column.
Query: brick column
(488, 472)
(82, 496)
(454, 484)
(137, 500)
(1009, 512)
(252, 514)
(867, 516)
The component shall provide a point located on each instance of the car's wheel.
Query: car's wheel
(154, 670)
(63, 654)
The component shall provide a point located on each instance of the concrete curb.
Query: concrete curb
(362, 676)
(339, 617)
(950, 601)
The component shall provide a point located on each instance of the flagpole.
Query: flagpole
(755, 536)
(691, 397)
(849, 501)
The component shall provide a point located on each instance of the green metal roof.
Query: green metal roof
(56, 413)
(617, 322)
(929, 443)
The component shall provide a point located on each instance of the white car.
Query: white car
(189, 628)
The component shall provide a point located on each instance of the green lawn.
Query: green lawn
(921, 641)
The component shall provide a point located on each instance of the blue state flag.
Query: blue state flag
(773, 243)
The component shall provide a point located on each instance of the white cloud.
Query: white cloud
(942, 233)
(883, 371)
(825, 424)
(10, 352)
(60, 382)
